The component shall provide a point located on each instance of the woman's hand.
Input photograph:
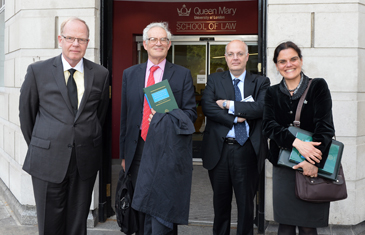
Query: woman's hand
(308, 169)
(308, 150)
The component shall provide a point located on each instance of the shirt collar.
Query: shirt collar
(241, 77)
(79, 67)
(161, 65)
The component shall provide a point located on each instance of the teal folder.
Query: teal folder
(332, 165)
(160, 97)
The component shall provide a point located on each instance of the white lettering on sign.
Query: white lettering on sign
(227, 11)
(184, 11)
(204, 26)
(207, 19)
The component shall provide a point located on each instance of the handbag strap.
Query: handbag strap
(300, 105)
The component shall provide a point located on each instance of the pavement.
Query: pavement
(200, 217)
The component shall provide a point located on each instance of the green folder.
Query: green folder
(292, 158)
(160, 97)
(330, 164)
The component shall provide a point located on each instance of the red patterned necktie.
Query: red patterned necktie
(146, 107)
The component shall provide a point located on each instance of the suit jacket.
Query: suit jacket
(181, 84)
(219, 122)
(50, 127)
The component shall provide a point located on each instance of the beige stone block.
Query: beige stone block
(4, 104)
(349, 158)
(340, 72)
(15, 35)
(1, 136)
(359, 158)
(15, 180)
(14, 107)
(345, 118)
(281, 29)
(359, 204)
(9, 69)
(344, 212)
(21, 148)
(360, 117)
(6, 41)
(9, 141)
(9, 9)
(39, 31)
(26, 189)
(4, 169)
(41, 4)
(269, 212)
(361, 68)
(337, 29)
(361, 26)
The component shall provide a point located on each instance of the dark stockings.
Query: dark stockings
(285, 229)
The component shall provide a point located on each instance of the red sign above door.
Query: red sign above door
(238, 17)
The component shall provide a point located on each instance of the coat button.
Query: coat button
(291, 112)
(70, 145)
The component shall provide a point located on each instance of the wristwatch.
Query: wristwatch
(225, 104)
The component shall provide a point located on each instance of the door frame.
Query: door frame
(106, 48)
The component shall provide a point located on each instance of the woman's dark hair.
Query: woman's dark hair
(286, 45)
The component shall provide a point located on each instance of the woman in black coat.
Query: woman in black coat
(281, 102)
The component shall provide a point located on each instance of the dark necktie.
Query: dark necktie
(240, 130)
(146, 107)
(72, 90)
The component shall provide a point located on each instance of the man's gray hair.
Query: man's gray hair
(163, 25)
(236, 40)
(74, 19)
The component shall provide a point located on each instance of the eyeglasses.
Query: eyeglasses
(79, 40)
(285, 62)
(163, 41)
(238, 54)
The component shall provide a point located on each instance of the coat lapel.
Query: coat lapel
(249, 85)
(59, 77)
(168, 71)
(228, 85)
(141, 75)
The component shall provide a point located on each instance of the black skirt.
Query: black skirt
(290, 210)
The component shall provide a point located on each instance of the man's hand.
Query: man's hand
(220, 103)
(123, 164)
(151, 115)
(240, 119)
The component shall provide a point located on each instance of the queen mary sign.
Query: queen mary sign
(186, 18)
(217, 18)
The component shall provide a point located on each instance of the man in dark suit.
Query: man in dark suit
(233, 147)
(156, 41)
(62, 108)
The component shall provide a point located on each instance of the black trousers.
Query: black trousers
(133, 170)
(62, 209)
(236, 171)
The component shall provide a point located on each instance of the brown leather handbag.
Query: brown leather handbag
(318, 189)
